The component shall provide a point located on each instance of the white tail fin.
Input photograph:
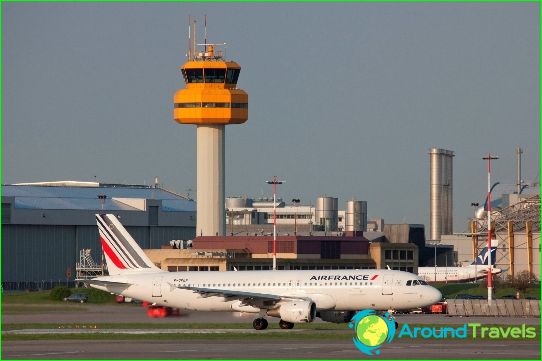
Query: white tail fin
(122, 253)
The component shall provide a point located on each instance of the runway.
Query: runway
(129, 313)
(183, 343)
(251, 349)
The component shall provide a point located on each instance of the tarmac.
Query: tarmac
(238, 348)
(252, 349)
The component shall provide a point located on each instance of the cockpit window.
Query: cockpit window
(422, 282)
(409, 283)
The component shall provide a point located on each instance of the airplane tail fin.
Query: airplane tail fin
(483, 258)
(122, 253)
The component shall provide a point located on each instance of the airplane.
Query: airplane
(478, 269)
(292, 296)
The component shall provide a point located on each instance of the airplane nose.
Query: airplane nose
(435, 295)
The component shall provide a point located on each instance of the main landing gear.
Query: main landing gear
(260, 324)
(285, 325)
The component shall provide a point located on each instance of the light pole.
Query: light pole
(295, 201)
(489, 158)
(435, 245)
(475, 205)
(274, 182)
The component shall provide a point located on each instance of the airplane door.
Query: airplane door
(294, 284)
(157, 287)
(387, 284)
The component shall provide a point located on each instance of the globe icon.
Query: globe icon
(372, 330)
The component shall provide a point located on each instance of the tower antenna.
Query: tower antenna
(205, 42)
(194, 38)
(189, 38)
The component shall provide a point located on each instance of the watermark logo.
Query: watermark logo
(372, 331)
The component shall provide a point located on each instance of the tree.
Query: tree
(522, 281)
(59, 292)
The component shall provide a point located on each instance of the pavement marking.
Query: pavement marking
(65, 331)
(49, 353)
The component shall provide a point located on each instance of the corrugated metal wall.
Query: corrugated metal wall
(44, 253)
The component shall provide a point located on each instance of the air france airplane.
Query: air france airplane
(292, 296)
(476, 270)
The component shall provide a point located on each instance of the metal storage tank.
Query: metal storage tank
(238, 202)
(356, 216)
(326, 213)
(441, 192)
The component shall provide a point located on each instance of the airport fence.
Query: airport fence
(499, 307)
(36, 286)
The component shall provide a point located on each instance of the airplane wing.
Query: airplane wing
(108, 283)
(248, 298)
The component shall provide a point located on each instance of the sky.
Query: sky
(345, 100)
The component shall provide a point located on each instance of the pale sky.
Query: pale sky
(344, 99)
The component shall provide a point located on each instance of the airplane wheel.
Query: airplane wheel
(286, 325)
(396, 325)
(260, 324)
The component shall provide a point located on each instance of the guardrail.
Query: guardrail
(503, 308)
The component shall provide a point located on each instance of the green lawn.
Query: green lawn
(42, 297)
(451, 290)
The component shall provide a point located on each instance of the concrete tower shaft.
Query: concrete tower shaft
(441, 192)
(210, 146)
(210, 101)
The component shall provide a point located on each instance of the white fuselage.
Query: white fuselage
(454, 274)
(345, 290)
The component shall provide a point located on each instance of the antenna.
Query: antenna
(205, 42)
(189, 37)
(194, 38)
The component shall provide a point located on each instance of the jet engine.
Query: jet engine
(295, 311)
(336, 316)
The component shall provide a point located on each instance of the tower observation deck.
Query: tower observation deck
(210, 100)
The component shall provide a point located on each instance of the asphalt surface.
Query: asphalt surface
(129, 313)
(238, 348)
(251, 349)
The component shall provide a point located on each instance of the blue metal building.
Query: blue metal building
(45, 225)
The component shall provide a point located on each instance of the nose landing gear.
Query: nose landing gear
(260, 324)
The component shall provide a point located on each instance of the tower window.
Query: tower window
(193, 75)
(232, 75)
(215, 75)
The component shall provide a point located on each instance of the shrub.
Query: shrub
(59, 292)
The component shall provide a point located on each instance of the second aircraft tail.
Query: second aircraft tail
(483, 258)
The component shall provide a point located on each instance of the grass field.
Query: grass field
(232, 332)
(451, 290)
(42, 297)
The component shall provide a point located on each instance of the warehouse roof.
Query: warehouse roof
(89, 196)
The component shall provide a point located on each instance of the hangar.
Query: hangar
(46, 224)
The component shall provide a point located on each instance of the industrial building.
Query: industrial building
(249, 216)
(45, 225)
(516, 223)
(293, 253)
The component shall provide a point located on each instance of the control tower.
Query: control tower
(210, 100)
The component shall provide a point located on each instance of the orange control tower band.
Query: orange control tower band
(210, 100)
